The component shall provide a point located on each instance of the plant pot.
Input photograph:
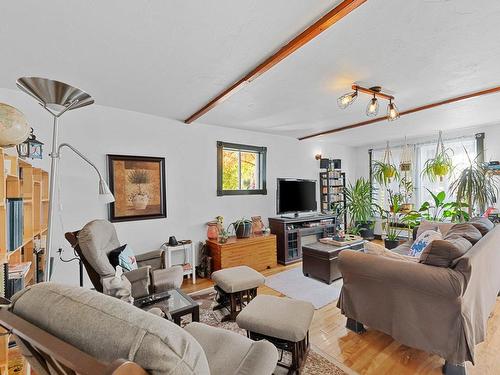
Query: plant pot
(366, 229)
(391, 244)
(405, 167)
(243, 230)
(140, 201)
(440, 170)
(406, 207)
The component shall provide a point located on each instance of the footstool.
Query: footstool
(236, 287)
(283, 321)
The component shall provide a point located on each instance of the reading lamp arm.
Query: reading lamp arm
(75, 150)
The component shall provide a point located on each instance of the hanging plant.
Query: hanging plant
(384, 171)
(442, 163)
(406, 158)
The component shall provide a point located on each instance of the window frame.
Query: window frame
(262, 151)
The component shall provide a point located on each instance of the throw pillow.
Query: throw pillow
(124, 257)
(423, 240)
(467, 231)
(433, 225)
(483, 224)
(442, 253)
(376, 249)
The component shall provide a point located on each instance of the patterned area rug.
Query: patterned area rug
(315, 363)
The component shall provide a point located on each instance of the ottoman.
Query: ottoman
(236, 287)
(282, 321)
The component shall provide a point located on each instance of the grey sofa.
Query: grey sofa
(111, 331)
(442, 310)
(98, 238)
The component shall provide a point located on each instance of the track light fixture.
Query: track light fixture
(373, 106)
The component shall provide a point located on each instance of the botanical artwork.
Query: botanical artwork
(138, 184)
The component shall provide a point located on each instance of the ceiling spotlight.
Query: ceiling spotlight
(372, 108)
(346, 100)
(392, 111)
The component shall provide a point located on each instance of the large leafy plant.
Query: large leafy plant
(475, 186)
(359, 202)
(442, 163)
(439, 210)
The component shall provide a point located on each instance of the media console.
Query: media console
(293, 233)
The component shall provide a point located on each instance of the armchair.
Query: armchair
(80, 331)
(98, 238)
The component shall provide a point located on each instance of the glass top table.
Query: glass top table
(174, 302)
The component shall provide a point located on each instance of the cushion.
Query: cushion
(442, 253)
(423, 240)
(433, 225)
(376, 249)
(467, 231)
(126, 258)
(484, 225)
(109, 329)
(236, 279)
(114, 255)
(279, 317)
(96, 239)
(231, 353)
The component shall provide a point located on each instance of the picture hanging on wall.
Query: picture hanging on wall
(138, 184)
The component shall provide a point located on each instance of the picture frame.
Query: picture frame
(139, 187)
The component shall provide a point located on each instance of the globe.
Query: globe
(14, 128)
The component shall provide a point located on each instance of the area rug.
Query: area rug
(315, 363)
(294, 284)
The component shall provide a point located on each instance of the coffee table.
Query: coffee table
(174, 302)
(320, 260)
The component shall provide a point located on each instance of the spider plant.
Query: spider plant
(439, 166)
(475, 186)
(383, 172)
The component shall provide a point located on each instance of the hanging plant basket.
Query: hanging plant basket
(406, 162)
(384, 171)
(441, 165)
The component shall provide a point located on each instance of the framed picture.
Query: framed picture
(138, 184)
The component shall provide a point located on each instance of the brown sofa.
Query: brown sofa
(440, 310)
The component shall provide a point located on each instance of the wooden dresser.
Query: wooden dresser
(258, 252)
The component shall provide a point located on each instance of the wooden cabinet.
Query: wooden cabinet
(257, 252)
(293, 233)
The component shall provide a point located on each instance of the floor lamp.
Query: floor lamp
(57, 98)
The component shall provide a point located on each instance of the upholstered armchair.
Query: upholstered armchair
(98, 238)
(79, 331)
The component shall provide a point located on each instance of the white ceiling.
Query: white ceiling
(168, 58)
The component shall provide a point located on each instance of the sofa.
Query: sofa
(443, 310)
(99, 331)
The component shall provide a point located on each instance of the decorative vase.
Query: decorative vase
(257, 225)
(406, 207)
(212, 230)
(140, 201)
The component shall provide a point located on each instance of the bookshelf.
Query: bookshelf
(21, 182)
(332, 183)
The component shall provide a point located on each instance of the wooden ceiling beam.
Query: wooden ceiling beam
(328, 20)
(407, 112)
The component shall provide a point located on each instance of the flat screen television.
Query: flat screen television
(296, 196)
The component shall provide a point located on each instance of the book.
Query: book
(19, 270)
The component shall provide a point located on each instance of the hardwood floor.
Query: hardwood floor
(375, 353)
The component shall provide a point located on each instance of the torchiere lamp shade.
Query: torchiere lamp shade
(54, 95)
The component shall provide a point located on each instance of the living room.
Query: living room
(315, 97)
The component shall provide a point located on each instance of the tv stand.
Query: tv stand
(300, 215)
(294, 232)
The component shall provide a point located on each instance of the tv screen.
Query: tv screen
(296, 196)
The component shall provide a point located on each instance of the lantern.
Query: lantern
(30, 148)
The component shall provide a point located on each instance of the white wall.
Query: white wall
(190, 152)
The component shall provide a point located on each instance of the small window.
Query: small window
(241, 169)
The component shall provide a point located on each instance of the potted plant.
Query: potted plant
(406, 189)
(139, 198)
(360, 206)
(391, 222)
(439, 210)
(384, 171)
(442, 163)
(242, 228)
(475, 186)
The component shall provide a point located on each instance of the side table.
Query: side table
(186, 246)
